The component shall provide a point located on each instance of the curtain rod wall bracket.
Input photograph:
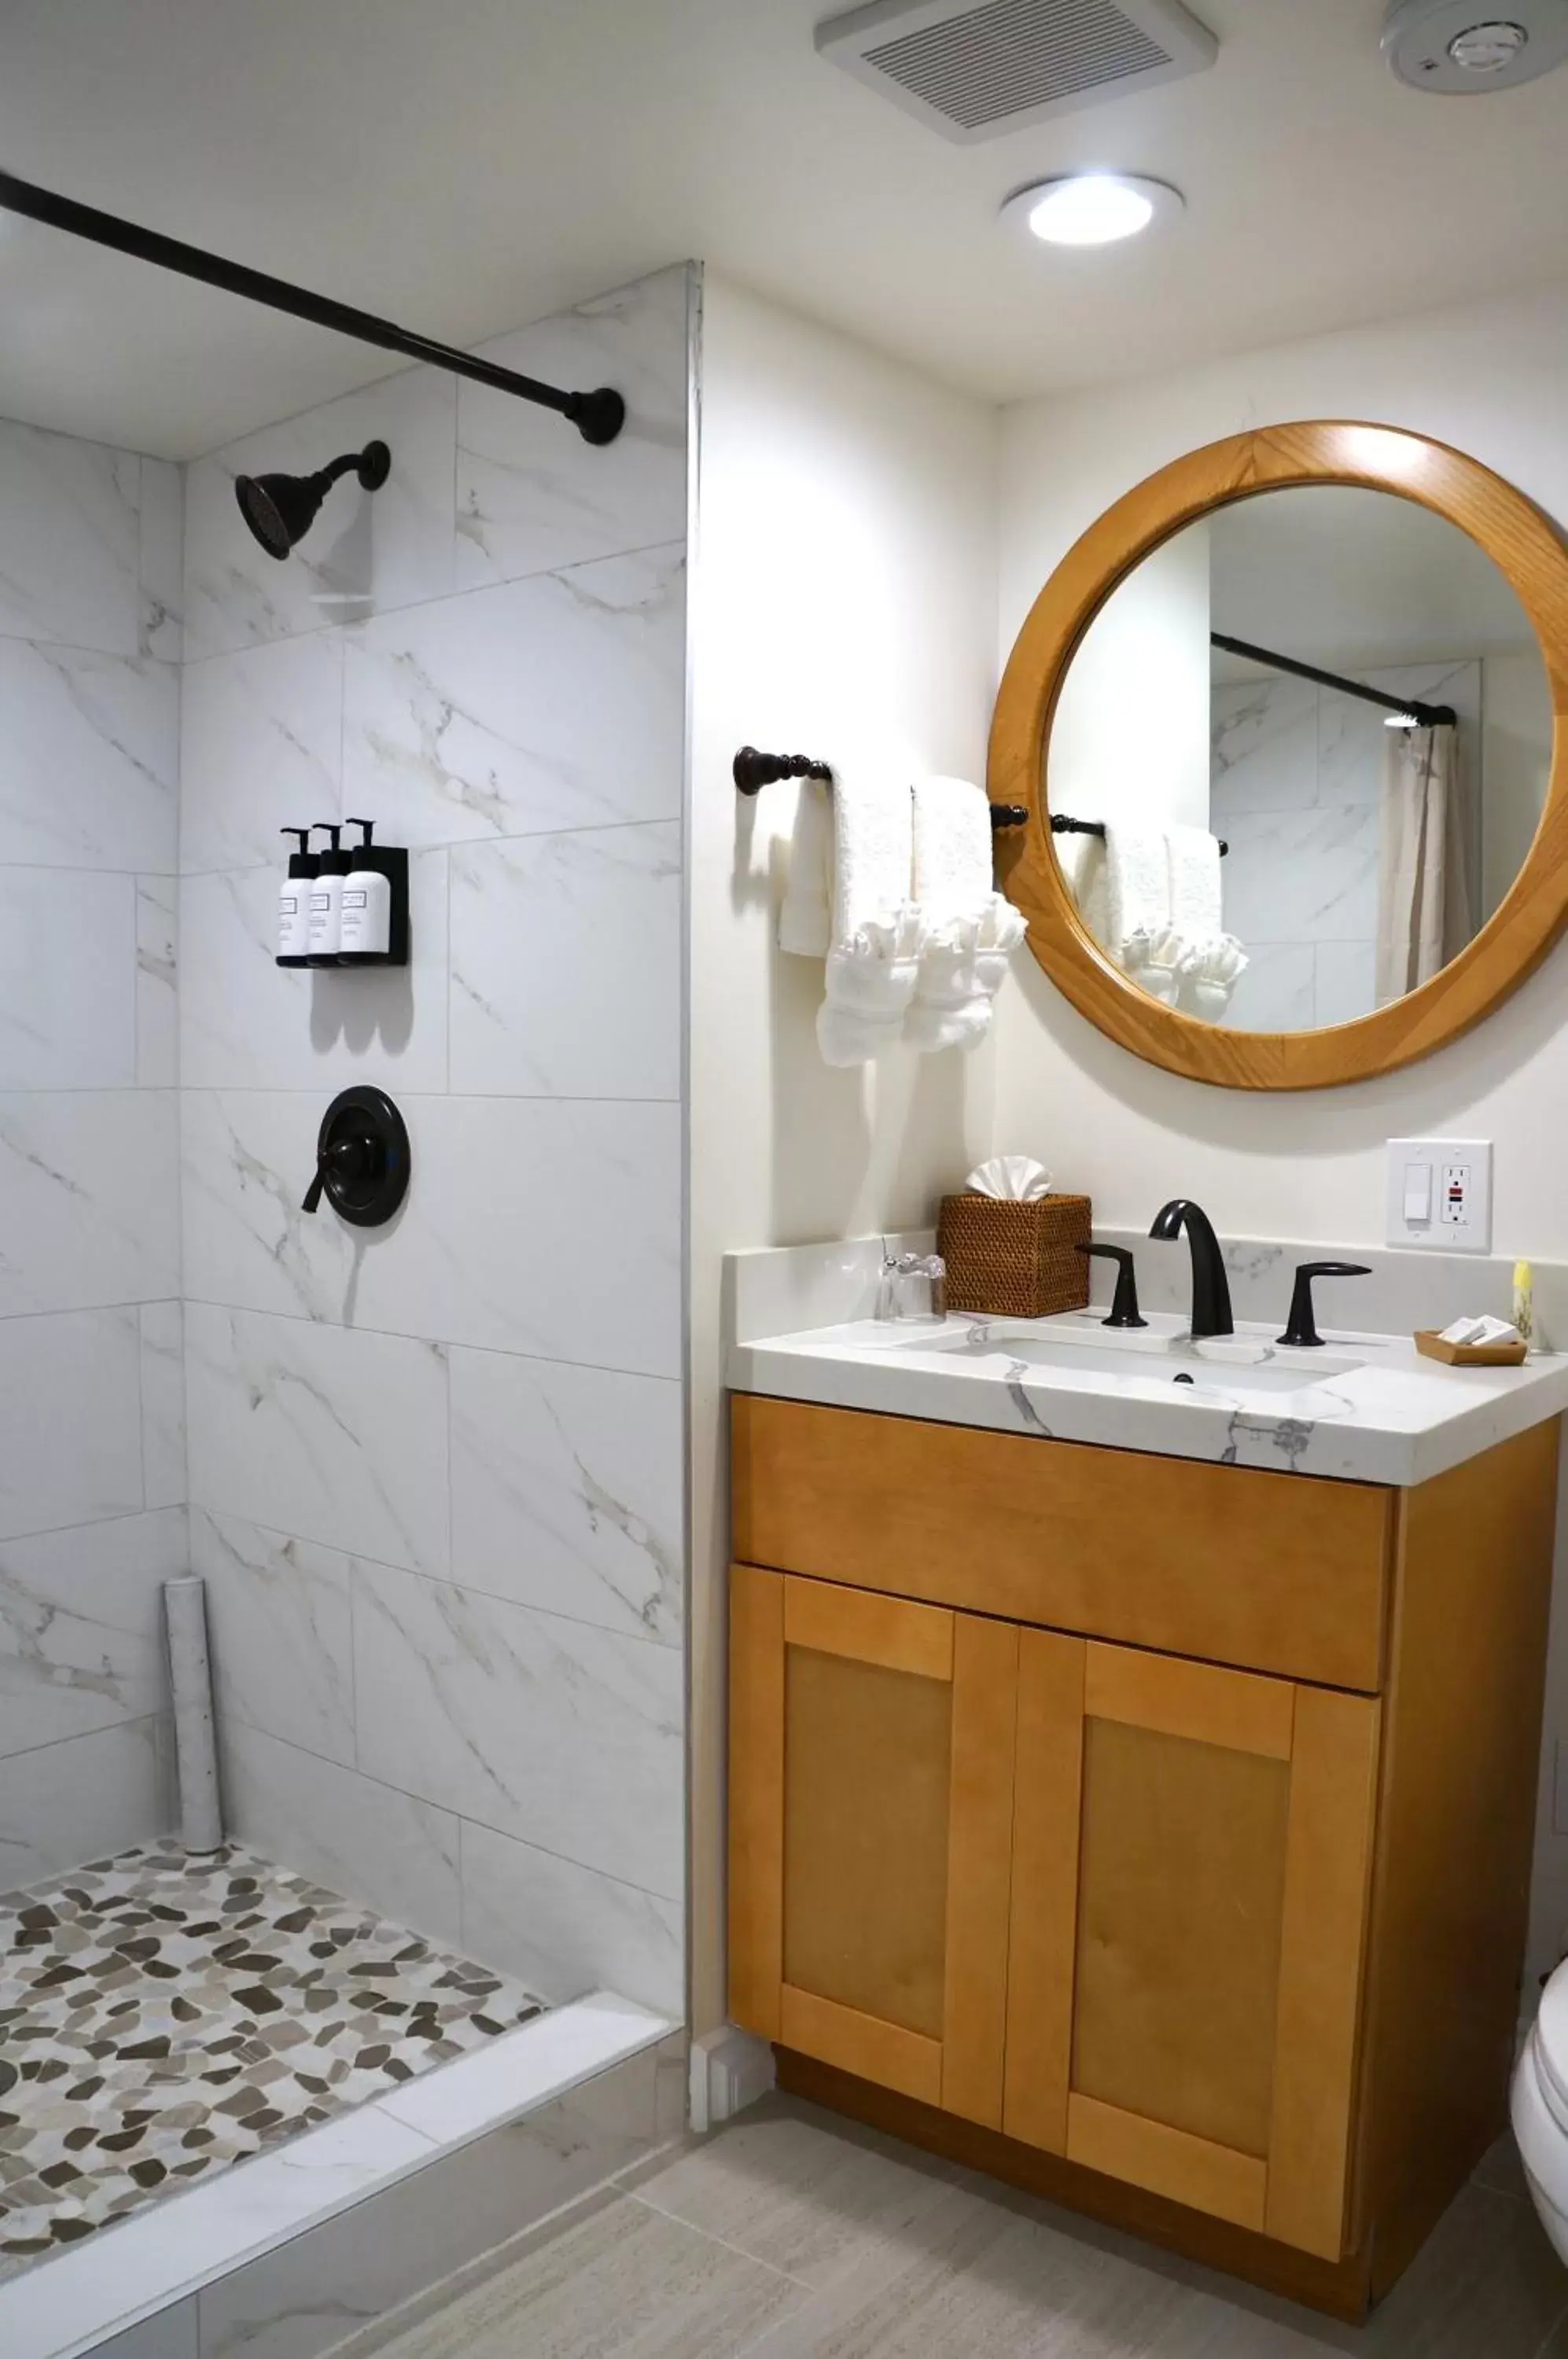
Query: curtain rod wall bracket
(598, 414)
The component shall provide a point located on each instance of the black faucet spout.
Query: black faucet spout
(1211, 1289)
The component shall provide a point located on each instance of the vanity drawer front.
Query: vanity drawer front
(1271, 1572)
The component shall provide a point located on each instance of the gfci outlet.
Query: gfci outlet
(1440, 1194)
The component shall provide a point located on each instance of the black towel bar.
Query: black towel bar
(1062, 825)
(752, 771)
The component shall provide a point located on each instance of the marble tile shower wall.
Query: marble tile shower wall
(92, 1450)
(436, 1470)
(1297, 771)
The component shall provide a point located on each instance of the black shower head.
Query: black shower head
(280, 509)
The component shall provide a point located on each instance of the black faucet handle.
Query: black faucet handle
(1301, 1327)
(1124, 1302)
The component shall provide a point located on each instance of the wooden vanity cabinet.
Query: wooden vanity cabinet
(1227, 1955)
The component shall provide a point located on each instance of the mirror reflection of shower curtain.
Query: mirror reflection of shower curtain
(1424, 887)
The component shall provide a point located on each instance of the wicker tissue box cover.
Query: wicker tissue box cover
(1018, 1261)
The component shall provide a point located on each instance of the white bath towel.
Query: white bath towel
(874, 958)
(805, 919)
(970, 929)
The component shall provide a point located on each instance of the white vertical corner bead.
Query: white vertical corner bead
(190, 1680)
(730, 2070)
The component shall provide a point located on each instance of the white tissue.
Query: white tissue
(1013, 1178)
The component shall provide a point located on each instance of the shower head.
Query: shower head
(280, 509)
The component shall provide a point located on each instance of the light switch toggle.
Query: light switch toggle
(1418, 1192)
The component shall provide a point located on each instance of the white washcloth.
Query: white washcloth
(970, 929)
(805, 919)
(876, 933)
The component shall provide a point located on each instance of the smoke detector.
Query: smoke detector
(974, 73)
(1461, 48)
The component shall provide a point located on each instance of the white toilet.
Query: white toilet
(1540, 2109)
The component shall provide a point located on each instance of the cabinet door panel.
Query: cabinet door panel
(1186, 2016)
(1181, 1879)
(867, 1775)
(871, 1768)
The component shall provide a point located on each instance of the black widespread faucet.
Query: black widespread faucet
(1211, 1292)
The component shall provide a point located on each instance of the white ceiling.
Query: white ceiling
(464, 166)
(1359, 581)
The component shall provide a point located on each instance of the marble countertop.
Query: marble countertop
(1392, 1417)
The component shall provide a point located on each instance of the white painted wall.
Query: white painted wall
(843, 604)
(1130, 736)
(1491, 379)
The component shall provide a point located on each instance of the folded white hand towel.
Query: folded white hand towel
(877, 934)
(1195, 893)
(970, 929)
(1210, 972)
(1138, 879)
(805, 919)
(1212, 960)
(1081, 859)
(870, 983)
(952, 848)
(961, 967)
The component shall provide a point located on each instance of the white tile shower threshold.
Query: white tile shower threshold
(112, 2281)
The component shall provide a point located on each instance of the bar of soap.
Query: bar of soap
(1463, 1330)
(1481, 1330)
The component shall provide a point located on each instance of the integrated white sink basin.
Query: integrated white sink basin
(1361, 1408)
(1286, 1384)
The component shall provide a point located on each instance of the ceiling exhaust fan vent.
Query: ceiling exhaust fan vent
(975, 73)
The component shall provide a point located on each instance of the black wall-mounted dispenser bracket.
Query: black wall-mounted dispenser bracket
(391, 861)
(363, 1159)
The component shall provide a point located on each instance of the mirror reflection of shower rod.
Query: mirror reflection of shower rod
(598, 416)
(1410, 708)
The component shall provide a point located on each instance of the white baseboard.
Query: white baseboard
(730, 2070)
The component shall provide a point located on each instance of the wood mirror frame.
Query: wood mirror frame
(1521, 541)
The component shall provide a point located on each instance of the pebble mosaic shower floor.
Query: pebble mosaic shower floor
(163, 2015)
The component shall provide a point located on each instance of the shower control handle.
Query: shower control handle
(362, 1158)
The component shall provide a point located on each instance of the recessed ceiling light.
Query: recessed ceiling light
(1091, 208)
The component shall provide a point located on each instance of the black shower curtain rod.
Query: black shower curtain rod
(598, 416)
(1425, 716)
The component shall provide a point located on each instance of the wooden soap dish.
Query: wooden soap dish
(1430, 1344)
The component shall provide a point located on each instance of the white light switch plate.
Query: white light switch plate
(1440, 1194)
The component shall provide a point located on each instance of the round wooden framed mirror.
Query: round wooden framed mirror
(1341, 651)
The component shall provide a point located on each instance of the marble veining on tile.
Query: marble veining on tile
(163, 2015)
(487, 715)
(68, 541)
(90, 765)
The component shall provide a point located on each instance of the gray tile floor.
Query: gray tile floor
(792, 2234)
